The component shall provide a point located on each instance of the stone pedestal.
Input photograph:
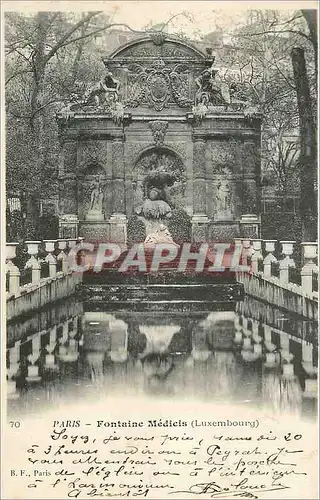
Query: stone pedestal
(68, 226)
(223, 215)
(95, 215)
(118, 228)
(95, 231)
(250, 226)
(200, 228)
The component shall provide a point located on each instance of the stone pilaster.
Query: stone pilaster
(118, 220)
(118, 176)
(200, 219)
(199, 176)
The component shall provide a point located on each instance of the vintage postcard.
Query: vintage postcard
(160, 255)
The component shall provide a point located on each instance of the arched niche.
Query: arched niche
(162, 168)
(89, 174)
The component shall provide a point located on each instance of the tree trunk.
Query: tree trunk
(312, 22)
(37, 117)
(308, 157)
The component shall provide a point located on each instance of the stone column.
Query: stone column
(200, 219)
(118, 223)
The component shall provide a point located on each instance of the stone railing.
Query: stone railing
(34, 359)
(287, 283)
(258, 340)
(45, 276)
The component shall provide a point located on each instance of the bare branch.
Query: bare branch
(92, 33)
(20, 72)
(273, 32)
(69, 33)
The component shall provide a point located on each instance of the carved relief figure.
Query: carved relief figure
(103, 92)
(211, 89)
(160, 235)
(158, 129)
(153, 207)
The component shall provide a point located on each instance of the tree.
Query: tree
(51, 58)
(288, 88)
(308, 156)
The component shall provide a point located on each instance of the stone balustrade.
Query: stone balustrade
(287, 363)
(259, 342)
(56, 258)
(275, 275)
(300, 277)
(42, 277)
(38, 356)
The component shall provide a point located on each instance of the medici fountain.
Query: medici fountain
(160, 150)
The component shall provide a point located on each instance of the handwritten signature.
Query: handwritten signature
(213, 489)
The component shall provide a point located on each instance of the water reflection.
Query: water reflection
(71, 354)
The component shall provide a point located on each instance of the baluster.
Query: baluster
(287, 261)
(270, 248)
(50, 258)
(50, 358)
(269, 345)
(14, 358)
(286, 356)
(247, 250)
(271, 356)
(309, 254)
(73, 344)
(62, 245)
(307, 359)
(257, 347)
(68, 353)
(14, 272)
(12, 392)
(284, 342)
(200, 351)
(119, 340)
(247, 345)
(33, 369)
(256, 255)
(33, 262)
(311, 388)
(65, 333)
(287, 366)
(238, 331)
(236, 262)
(311, 382)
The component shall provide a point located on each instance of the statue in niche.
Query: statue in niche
(96, 201)
(162, 188)
(223, 201)
(96, 197)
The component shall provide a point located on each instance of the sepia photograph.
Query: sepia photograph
(160, 249)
